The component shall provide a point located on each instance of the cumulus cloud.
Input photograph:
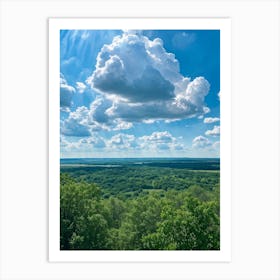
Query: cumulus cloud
(66, 93)
(138, 80)
(184, 105)
(201, 142)
(136, 64)
(159, 137)
(157, 141)
(77, 123)
(93, 141)
(67, 145)
(98, 110)
(214, 132)
(160, 140)
(122, 125)
(122, 141)
(85, 121)
(99, 113)
(88, 144)
(113, 78)
(81, 87)
(211, 120)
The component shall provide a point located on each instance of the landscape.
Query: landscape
(140, 204)
(140, 140)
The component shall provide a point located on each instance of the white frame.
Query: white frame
(24, 116)
(224, 254)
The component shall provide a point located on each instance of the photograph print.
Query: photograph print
(139, 139)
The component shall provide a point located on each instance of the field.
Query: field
(140, 204)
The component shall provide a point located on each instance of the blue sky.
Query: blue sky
(139, 93)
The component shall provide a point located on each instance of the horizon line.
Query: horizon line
(140, 157)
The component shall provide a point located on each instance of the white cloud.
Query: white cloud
(99, 108)
(81, 87)
(204, 144)
(77, 123)
(84, 122)
(88, 144)
(66, 93)
(93, 141)
(67, 145)
(211, 120)
(214, 132)
(201, 142)
(159, 137)
(113, 79)
(160, 140)
(122, 141)
(121, 125)
(184, 105)
(139, 81)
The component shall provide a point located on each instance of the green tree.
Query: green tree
(82, 222)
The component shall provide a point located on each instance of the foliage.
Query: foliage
(145, 208)
(131, 181)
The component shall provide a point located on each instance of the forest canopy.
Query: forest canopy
(139, 208)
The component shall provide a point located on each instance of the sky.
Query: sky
(139, 93)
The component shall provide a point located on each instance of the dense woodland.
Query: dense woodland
(139, 208)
